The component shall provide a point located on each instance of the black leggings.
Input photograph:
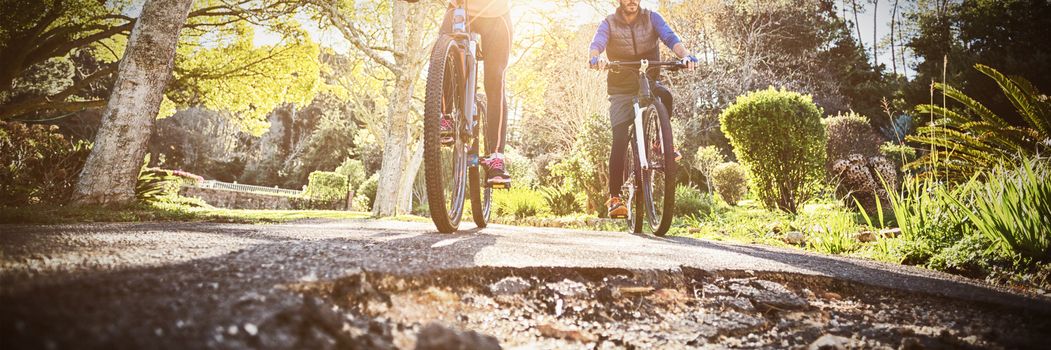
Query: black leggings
(496, 45)
(621, 136)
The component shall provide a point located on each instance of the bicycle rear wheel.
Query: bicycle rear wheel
(481, 194)
(658, 181)
(445, 166)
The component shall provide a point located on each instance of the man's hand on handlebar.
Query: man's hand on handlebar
(689, 62)
(598, 62)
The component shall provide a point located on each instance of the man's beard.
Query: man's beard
(627, 9)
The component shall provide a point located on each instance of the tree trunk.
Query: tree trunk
(857, 25)
(875, 38)
(408, 32)
(112, 169)
(395, 151)
(412, 168)
(893, 55)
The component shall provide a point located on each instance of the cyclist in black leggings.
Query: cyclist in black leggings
(491, 20)
(630, 34)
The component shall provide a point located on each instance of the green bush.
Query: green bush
(778, 136)
(354, 170)
(585, 168)
(731, 181)
(38, 165)
(367, 192)
(326, 186)
(690, 201)
(1013, 209)
(519, 203)
(849, 134)
(561, 200)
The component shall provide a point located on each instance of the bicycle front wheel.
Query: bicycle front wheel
(445, 163)
(658, 180)
(631, 189)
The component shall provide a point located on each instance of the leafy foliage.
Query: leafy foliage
(561, 200)
(965, 141)
(38, 165)
(268, 76)
(586, 168)
(850, 133)
(327, 186)
(367, 190)
(731, 181)
(899, 153)
(778, 135)
(155, 184)
(354, 170)
(690, 201)
(1003, 34)
(705, 161)
(519, 203)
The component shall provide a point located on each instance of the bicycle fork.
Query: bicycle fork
(640, 139)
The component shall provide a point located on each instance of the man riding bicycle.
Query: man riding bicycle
(630, 34)
(491, 19)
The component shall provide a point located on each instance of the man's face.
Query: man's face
(630, 6)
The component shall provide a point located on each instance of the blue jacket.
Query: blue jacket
(623, 41)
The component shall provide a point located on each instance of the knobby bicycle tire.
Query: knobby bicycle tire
(481, 194)
(445, 76)
(658, 132)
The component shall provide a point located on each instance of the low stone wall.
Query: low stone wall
(237, 200)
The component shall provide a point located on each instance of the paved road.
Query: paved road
(180, 281)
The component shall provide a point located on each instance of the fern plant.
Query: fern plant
(966, 140)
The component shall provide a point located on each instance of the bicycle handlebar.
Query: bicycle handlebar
(673, 65)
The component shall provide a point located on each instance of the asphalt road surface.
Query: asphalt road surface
(206, 285)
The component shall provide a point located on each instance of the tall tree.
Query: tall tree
(395, 35)
(1000, 34)
(111, 171)
(857, 25)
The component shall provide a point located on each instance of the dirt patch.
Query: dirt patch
(561, 308)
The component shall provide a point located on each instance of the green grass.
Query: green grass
(163, 212)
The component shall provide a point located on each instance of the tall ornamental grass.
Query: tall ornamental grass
(1013, 209)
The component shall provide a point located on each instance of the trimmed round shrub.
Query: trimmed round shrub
(849, 134)
(778, 136)
(731, 182)
(327, 186)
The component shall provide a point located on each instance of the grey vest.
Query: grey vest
(630, 42)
